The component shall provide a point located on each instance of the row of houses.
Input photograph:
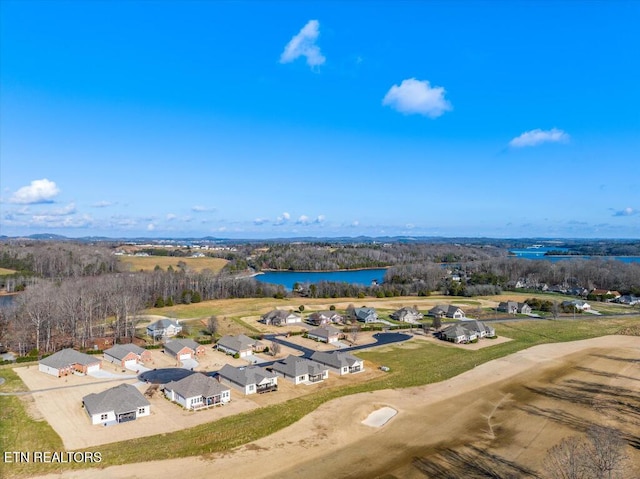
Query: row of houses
(125, 403)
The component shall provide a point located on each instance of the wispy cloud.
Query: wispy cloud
(626, 212)
(39, 191)
(304, 45)
(260, 221)
(303, 220)
(102, 204)
(319, 219)
(538, 136)
(171, 216)
(201, 209)
(151, 227)
(282, 219)
(419, 97)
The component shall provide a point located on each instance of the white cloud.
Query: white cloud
(415, 96)
(201, 209)
(628, 211)
(304, 45)
(70, 209)
(39, 191)
(151, 227)
(355, 223)
(303, 220)
(319, 219)
(538, 136)
(171, 216)
(282, 219)
(260, 221)
(102, 204)
(286, 216)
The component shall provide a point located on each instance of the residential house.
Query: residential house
(339, 361)
(483, 330)
(578, 304)
(249, 379)
(241, 345)
(320, 318)
(280, 317)
(448, 311)
(69, 361)
(127, 355)
(514, 307)
(182, 349)
(407, 315)
(457, 333)
(605, 294)
(164, 328)
(300, 370)
(197, 391)
(326, 334)
(122, 403)
(628, 299)
(365, 315)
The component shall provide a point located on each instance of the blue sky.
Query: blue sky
(284, 119)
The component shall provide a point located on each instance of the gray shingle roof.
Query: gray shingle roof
(120, 399)
(245, 376)
(237, 343)
(119, 351)
(196, 384)
(335, 359)
(294, 366)
(324, 332)
(174, 346)
(163, 324)
(67, 357)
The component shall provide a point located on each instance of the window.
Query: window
(250, 387)
(141, 410)
(103, 417)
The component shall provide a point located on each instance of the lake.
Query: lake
(289, 278)
(539, 253)
(6, 299)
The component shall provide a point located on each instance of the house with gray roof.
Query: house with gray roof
(320, 318)
(326, 334)
(446, 311)
(457, 333)
(407, 315)
(164, 328)
(514, 307)
(241, 345)
(197, 391)
(365, 315)
(483, 330)
(126, 355)
(300, 370)
(69, 361)
(280, 317)
(182, 349)
(339, 361)
(249, 379)
(122, 403)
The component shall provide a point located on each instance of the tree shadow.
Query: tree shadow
(470, 462)
(605, 374)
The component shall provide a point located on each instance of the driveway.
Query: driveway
(102, 374)
(254, 359)
(189, 364)
(139, 369)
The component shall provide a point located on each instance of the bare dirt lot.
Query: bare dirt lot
(502, 415)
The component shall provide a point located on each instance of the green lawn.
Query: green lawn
(422, 363)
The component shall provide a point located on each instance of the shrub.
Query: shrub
(236, 356)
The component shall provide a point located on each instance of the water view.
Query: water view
(540, 253)
(289, 278)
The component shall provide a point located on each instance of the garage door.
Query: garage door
(131, 364)
(93, 368)
(185, 356)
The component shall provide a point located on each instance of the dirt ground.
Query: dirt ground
(502, 415)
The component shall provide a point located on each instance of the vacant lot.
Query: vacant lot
(148, 263)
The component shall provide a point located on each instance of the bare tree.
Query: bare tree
(354, 332)
(607, 455)
(567, 460)
(275, 348)
(213, 325)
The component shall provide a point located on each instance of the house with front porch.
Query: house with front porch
(127, 355)
(69, 361)
(249, 379)
(446, 311)
(339, 361)
(321, 318)
(514, 307)
(365, 315)
(197, 391)
(164, 328)
(119, 404)
(457, 333)
(300, 370)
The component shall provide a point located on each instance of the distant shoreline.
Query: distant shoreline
(267, 270)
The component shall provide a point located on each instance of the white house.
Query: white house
(122, 403)
(300, 370)
(197, 391)
(339, 361)
(164, 328)
(249, 380)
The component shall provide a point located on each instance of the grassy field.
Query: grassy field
(412, 364)
(148, 263)
(5, 271)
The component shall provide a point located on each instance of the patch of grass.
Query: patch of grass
(422, 363)
(18, 431)
(6, 271)
(148, 263)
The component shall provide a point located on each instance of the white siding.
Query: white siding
(48, 370)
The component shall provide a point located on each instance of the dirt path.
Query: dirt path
(502, 415)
